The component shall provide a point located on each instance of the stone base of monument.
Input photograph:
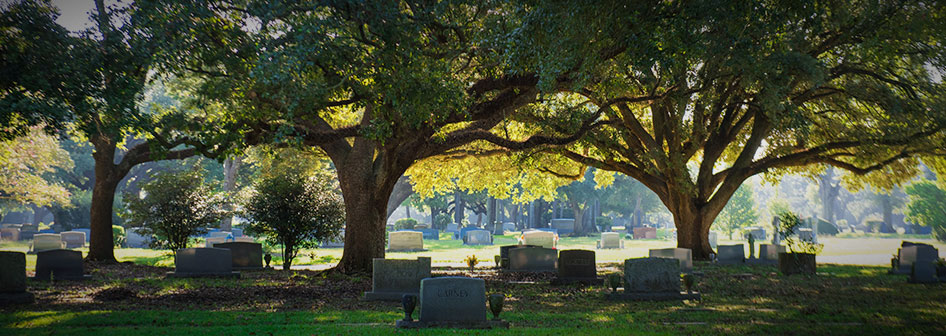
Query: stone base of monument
(584, 281)
(231, 275)
(488, 324)
(654, 296)
(757, 261)
(62, 278)
(384, 296)
(16, 298)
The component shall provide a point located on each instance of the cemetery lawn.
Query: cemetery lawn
(136, 299)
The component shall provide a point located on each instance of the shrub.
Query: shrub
(604, 223)
(405, 224)
(118, 236)
(176, 206)
(295, 211)
(441, 221)
(788, 222)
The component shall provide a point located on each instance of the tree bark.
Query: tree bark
(402, 190)
(101, 246)
(231, 167)
(579, 213)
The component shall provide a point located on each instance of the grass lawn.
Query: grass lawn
(136, 299)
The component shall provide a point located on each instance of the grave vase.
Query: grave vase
(796, 263)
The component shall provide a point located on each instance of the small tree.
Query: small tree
(405, 223)
(295, 211)
(739, 211)
(175, 206)
(927, 207)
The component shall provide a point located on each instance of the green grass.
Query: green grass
(737, 300)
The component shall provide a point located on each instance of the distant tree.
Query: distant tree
(739, 212)
(405, 223)
(24, 163)
(294, 210)
(175, 206)
(927, 207)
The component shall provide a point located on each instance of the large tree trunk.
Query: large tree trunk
(693, 228)
(402, 190)
(365, 218)
(887, 208)
(231, 167)
(101, 242)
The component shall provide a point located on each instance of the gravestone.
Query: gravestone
(461, 235)
(47, 241)
(757, 233)
(220, 234)
(768, 254)
(29, 227)
(453, 302)
(27, 235)
(453, 227)
(236, 232)
(60, 264)
(610, 240)
(13, 279)
(244, 255)
(392, 278)
(912, 253)
(923, 271)
(209, 242)
(714, 239)
(478, 237)
(244, 239)
(652, 279)
(73, 239)
(577, 266)
(805, 234)
(430, 234)
(563, 225)
(88, 234)
(533, 259)
(541, 238)
(135, 238)
(203, 262)
(645, 233)
(509, 226)
(10, 234)
(405, 241)
(504, 254)
(731, 254)
(685, 256)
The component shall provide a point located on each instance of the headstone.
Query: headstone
(245, 255)
(13, 279)
(135, 238)
(453, 227)
(236, 232)
(504, 253)
(533, 259)
(431, 234)
(27, 235)
(88, 233)
(577, 266)
(643, 275)
(452, 299)
(540, 238)
(731, 254)
(29, 227)
(10, 234)
(563, 225)
(392, 278)
(713, 239)
(805, 234)
(209, 242)
(59, 264)
(203, 262)
(244, 239)
(509, 226)
(405, 241)
(478, 237)
(220, 234)
(47, 241)
(757, 233)
(73, 239)
(645, 233)
(12, 272)
(912, 253)
(685, 256)
(769, 253)
(611, 240)
(923, 272)
(461, 235)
